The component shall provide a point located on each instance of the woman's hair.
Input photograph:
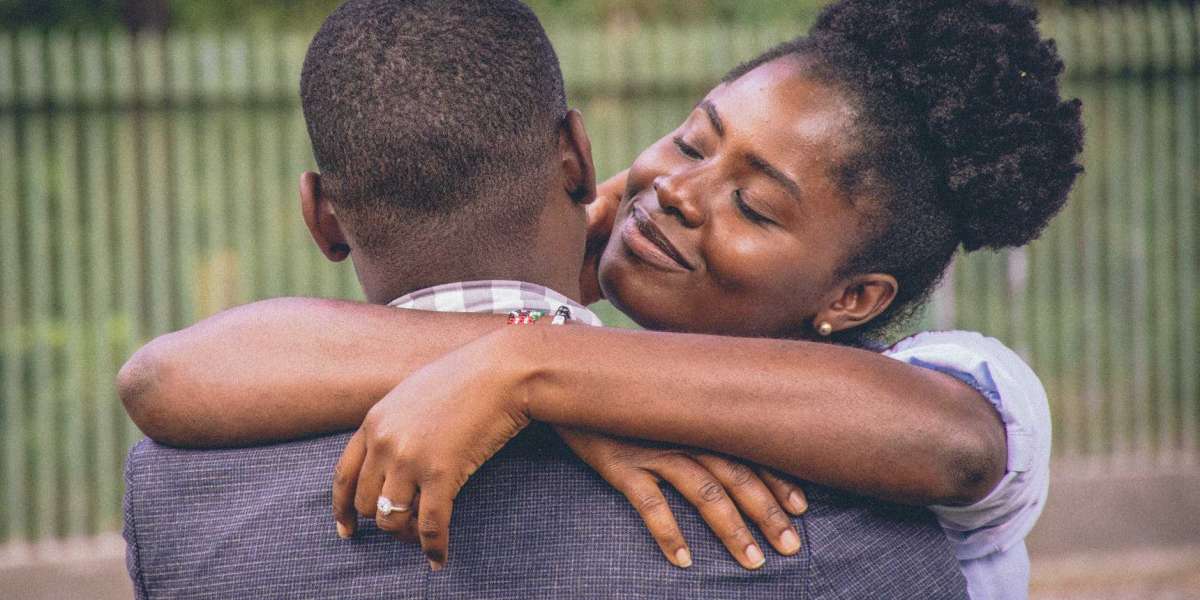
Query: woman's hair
(962, 137)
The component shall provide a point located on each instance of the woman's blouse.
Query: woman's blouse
(989, 536)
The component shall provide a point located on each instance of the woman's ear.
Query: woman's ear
(579, 172)
(321, 219)
(862, 299)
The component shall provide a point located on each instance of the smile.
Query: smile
(646, 241)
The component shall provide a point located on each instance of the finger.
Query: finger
(642, 491)
(407, 530)
(707, 494)
(754, 499)
(345, 484)
(370, 482)
(394, 507)
(790, 495)
(433, 521)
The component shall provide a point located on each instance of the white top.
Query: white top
(989, 536)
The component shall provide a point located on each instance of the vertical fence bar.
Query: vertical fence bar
(128, 189)
(238, 166)
(1116, 376)
(156, 188)
(68, 284)
(1137, 404)
(1016, 271)
(1046, 313)
(1187, 116)
(274, 214)
(13, 323)
(302, 256)
(295, 158)
(98, 291)
(1162, 240)
(1092, 338)
(1071, 355)
(44, 394)
(218, 268)
(182, 170)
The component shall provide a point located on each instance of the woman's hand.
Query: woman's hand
(716, 485)
(601, 213)
(425, 438)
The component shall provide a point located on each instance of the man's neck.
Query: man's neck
(383, 290)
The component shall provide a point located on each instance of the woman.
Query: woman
(816, 195)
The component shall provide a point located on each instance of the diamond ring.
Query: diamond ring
(385, 507)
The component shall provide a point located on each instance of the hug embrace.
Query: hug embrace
(764, 432)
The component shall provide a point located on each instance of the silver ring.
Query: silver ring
(385, 507)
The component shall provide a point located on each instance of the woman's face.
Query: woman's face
(733, 224)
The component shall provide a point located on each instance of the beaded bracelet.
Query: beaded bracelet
(527, 316)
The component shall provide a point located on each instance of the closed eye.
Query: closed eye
(687, 150)
(751, 214)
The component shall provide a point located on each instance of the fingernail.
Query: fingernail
(797, 502)
(436, 566)
(343, 531)
(755, 556)
(683, 558)
(790, 542)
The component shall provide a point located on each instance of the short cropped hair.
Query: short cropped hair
(433, 118)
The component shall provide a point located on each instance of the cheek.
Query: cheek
(762, 272)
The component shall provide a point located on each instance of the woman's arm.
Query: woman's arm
(847, 418)
(283, 369)
(843, 417)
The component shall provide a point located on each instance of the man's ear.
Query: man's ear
(579, 172)
(321, 219)
(862, 299)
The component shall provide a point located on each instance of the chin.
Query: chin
(651, 308)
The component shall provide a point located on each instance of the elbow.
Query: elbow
(974, 465)
(139, 385)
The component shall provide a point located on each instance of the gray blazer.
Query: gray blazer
(534, 522)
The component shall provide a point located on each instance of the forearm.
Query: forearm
(847, 418)
(283, 369)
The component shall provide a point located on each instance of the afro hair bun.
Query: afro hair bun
(976, 87)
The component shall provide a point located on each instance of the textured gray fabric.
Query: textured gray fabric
(534, 522)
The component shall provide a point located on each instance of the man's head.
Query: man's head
(444, 142)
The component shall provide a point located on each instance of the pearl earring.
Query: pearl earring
(825, 329)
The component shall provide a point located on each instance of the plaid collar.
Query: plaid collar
(493, 296)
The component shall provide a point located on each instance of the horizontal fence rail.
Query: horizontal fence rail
(147, 182)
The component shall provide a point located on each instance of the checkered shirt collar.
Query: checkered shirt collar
(493, 296)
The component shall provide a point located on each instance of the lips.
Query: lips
(648, 241)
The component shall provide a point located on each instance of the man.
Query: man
(447, 155)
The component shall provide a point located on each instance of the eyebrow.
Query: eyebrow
(765, 167)
(713, 117)
(756, 161)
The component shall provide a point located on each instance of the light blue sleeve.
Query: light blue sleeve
(1009, 512)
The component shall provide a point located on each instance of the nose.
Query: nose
(679, 198)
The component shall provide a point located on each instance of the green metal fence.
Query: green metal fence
(146, 182)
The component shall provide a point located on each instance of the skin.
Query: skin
(839, 416)
(742, 189)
